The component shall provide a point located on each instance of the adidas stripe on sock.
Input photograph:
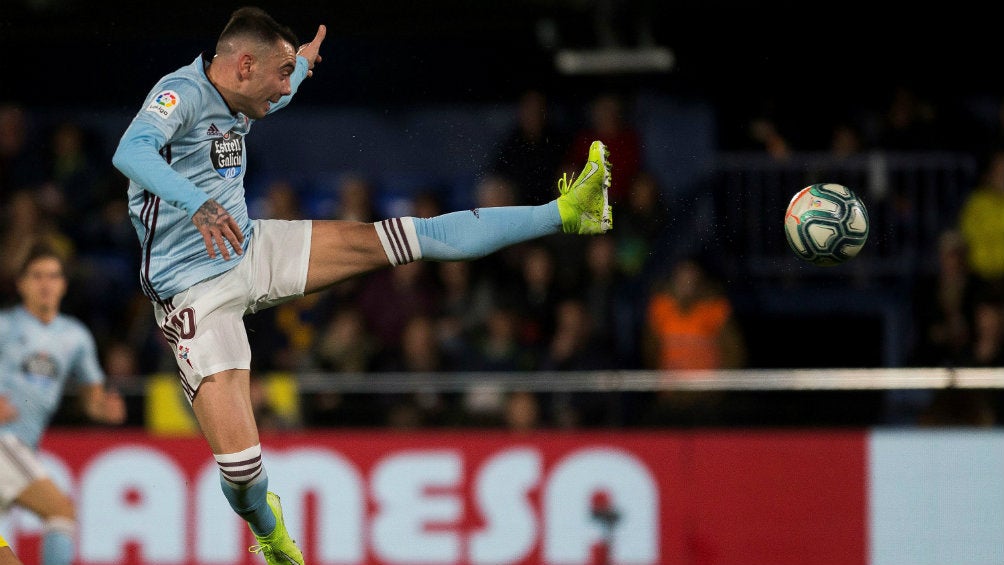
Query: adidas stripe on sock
(400, 242)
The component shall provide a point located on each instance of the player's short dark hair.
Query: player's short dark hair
(38, 252)
(255, 23)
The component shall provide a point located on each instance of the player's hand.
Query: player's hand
(103, 406)
(312, 51)
(8, 413)
(217, 226)
(114, 409)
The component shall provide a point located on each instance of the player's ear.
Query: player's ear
(244, 64)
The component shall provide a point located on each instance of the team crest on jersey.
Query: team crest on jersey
(227, 154)
(164, 103)
(40, 365)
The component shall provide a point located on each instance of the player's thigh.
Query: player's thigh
(20, 467)
(46, 500)
(340, 250)
(223, 409)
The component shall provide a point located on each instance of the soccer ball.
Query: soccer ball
(826, 224)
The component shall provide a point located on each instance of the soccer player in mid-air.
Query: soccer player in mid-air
(40, 351)
(205, 264)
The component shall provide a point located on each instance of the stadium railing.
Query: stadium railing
(824, 397)
(911, 199)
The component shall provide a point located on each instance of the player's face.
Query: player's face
(42, 285)
(270, 79)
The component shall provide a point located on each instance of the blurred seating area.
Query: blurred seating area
(684, 192)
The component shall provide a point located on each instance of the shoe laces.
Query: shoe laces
(260, 548)
(564, 183)
(269, 552)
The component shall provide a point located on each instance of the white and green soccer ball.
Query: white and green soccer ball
(826, 224)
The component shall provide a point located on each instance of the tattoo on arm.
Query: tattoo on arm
(209, 214)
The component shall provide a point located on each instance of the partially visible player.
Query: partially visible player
(206, 264)
(41, 350)
(7, 556)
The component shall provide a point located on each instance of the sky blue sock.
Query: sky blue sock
(472, 234)
(250, 503)
(57, 542)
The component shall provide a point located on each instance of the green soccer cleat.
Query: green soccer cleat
(277, 548)
(583, 203)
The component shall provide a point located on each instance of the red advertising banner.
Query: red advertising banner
(473, 497)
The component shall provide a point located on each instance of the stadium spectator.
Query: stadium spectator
(575, 346)
(535, 295)
(532, 149)
(427, 203)
(393, 296)
(690, 323)
(25, 227)
(612, 300)
(981, 221)
(767, 135)
(942, 321)
(464, 302)
(42, 351)
(355, 199)
(691, 327)
(271, 414)
(418, 352)
(344, 345)
(123, 373)
(846, 140)
(987, 346)
(522, 411)
(608, 120)
(944, 305)
(642, 225)
(76, 185)
(973, 407)
(494, 347)
(184, 155)
(910, 122)
(281, 201)
(20, 164)
(497, 346)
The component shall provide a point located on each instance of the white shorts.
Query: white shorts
(19, 467)
(205, 324)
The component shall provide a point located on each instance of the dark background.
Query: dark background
(826, 56)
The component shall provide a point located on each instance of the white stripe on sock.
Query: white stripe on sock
(241, 468)
(399, 240)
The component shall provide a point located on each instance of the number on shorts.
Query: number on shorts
(184, 321)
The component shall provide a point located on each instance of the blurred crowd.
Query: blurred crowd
(625, 300)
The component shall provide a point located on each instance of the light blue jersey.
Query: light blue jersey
(37, 360)
(183, 148)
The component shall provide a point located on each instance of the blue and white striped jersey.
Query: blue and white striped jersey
(183, 148)
(36, 362)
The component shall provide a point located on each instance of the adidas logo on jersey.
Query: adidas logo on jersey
(214, 131)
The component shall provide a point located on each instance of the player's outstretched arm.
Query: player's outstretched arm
(312, 51)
